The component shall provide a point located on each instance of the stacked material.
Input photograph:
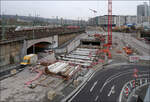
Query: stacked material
(71, 71)
(81, 56)
(76, 60)
(82, 64)
(86, 49)
(63, 69)
(57, 67)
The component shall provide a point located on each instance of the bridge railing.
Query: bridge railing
(39, 33)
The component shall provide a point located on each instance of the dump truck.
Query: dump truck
(29, 59)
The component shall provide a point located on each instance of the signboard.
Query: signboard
(134, 58)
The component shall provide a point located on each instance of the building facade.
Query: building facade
(143, 13)
(143, 10)
(117, 20)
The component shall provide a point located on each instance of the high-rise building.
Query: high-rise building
(143, 10)
(149, 10)
(143, 13)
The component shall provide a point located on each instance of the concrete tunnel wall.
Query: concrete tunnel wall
(50, 39)
(28, 43)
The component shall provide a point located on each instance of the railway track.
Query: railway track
(10, 71)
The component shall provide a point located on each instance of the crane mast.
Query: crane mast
(110, 22)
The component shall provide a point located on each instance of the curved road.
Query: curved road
(106, 84)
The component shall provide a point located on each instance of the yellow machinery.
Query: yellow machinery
(29, 59)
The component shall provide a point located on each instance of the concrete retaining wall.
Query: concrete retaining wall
(65, 37)
(10, 53)
(70, 47)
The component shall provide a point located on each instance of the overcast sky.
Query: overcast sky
(69, 9)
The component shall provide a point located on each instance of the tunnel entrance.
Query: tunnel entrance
(39, 47)
(94, 43)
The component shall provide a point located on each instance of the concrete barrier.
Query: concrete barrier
(146, 58)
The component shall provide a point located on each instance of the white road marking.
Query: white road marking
(91, 77)
(93, 86)
(96, 98)
(118, 74)
(103, 86)
(114, 77)
(112, 91)
(77, 93)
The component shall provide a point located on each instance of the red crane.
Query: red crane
(109, 43)
(109, 22)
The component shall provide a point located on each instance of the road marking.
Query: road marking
(76, 93)
(93, 86)
(112, 91)
(103, 86)
(96, 98)
(113, 77)
(90, 77)
(118, 74)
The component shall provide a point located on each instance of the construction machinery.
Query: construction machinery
(29, 59)
(127, 50)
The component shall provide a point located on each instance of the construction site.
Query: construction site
(55, 71)
(74, 63)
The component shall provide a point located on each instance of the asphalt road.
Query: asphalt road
(106, 84)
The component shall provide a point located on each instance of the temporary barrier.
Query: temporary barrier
(146, 58)
(134, 58)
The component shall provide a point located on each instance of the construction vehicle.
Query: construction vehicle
(127, 50)
(29, 59)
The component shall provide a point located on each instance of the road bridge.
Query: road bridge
(17, 43)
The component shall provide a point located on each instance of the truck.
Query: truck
(29, 59)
